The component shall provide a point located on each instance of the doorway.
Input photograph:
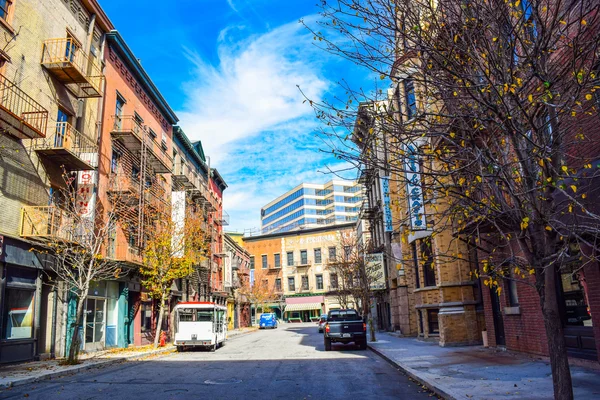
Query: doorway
(497, 316)
(94, 324)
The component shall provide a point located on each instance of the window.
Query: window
(4, 7)
(303, 257)
(251, 262)
(152, 134)
(18, 315)
(332, 254)
(416, 263)
(432, 320)
(427, 262)
(304, 282)
(119, 111)
(265, 264)
(146, 310)
(318, 256)
(333, 281)
(410, 98)
(277, 260)
(71, 48)
(278, 285)
(347, 252)
(135, 172)
(291, 284)
(511, 285)
(290, 258)
(319, 279)
(114, 162)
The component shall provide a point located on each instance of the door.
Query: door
(94, 324)
(60, 139)
(498, 321)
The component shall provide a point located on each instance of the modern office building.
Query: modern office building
(311, 205)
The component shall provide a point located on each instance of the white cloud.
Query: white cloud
(250, 116)
(254, 87)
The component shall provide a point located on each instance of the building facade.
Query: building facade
(49, 112)
(80, 112)
(236, 274)
(296, 265)
(312, 205)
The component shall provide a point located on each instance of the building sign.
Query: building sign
(375, 268)
(414, 190)
(387, 209)
(227, 270)
(178, 218)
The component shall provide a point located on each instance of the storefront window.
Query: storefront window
(574, 293)
(432, 319)
(18, 317)
(146, 310)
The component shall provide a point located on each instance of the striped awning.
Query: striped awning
(303, 307)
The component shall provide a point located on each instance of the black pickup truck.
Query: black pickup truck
(345, 326)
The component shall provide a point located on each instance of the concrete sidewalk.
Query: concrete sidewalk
(25, 373)
(474, 372)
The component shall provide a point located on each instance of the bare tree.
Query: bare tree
(492, 117)
(77, 234)
(357, 277)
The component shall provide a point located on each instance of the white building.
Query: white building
(311, 205)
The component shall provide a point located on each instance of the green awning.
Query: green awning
(303, 307)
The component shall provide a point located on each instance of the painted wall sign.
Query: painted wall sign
(413, 189)
(387, 209)
(375, 267)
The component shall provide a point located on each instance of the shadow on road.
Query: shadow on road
(309, 339)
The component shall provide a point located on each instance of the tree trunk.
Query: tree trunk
(161, 311)
(557, 348)
(75, 343)
(372, 327)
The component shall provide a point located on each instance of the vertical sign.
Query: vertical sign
(414, 190)
(178, 218)
(387, 210)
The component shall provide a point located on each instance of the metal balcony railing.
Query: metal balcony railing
(65, 58)
(222, 219)
(124, 184)
(183, 174)
(68, 147)
(20, 115)
(48, 223)
(134, 136)
(124, 252)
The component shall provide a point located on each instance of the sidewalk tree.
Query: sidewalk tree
(357, 277)
(258, 291)
(495, 105)
(77, 233)
(171, 251)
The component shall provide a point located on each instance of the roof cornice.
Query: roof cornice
(115, 38)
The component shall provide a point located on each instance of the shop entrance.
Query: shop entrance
(577, 321)
(94, 324)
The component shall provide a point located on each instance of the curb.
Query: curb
(411, 373)
(78, 368)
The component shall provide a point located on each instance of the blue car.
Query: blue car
(268, 320)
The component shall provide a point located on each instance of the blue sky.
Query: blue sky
(230, 70)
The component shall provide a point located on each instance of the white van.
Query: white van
(199, 323)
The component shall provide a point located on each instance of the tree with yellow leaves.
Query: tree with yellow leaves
(175, 246)
(493, 107)
(259, 291)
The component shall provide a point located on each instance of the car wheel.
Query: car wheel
(180, 349)
(327, 342)
(362, 344)
(213, 348)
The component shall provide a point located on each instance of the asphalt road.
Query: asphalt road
(285, 363)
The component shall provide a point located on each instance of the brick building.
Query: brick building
(49, 112)
(295, 264)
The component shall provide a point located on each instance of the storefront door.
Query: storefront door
(577, 321)
(94, 324)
